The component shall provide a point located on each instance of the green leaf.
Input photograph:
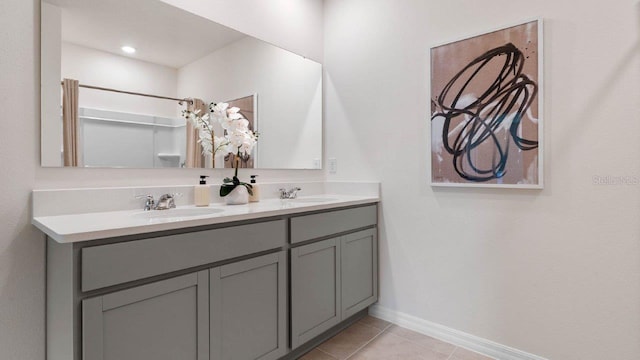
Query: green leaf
(226, 189)
(227, 180)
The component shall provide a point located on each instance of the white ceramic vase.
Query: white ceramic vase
(238, 196)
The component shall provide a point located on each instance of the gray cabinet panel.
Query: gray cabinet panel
(315, 289)
(107, 265)
(359, 258)
(249, 309)
(309, 227)
(163, 320)
(62, 315)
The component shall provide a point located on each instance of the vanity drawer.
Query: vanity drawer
(113, 264)
(309, 227)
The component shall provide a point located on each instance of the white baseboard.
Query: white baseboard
(452, 336)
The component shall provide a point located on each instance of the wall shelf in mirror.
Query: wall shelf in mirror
(180, 55)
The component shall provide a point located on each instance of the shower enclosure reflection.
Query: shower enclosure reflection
(179, 56)
(117, 139)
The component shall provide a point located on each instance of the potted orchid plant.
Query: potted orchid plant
(238, 140)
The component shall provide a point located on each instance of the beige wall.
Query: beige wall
(22, 254)
(553, 272)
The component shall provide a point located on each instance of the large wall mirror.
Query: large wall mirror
(127, 69)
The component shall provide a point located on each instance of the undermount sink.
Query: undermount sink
(177, 213)
(313, 200)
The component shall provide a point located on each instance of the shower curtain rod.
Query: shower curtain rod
(133, 93)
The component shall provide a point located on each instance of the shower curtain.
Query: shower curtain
(195, 159)
(70, 90)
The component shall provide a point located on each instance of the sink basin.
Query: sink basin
(313, 200)
(177, 213)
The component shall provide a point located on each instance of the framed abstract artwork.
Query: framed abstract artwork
(486, 109)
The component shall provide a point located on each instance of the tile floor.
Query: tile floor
(375, 339)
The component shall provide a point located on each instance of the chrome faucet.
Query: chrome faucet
(290, 194)
(149, 203)
(165, 202)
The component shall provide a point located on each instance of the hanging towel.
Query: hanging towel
(70, 90)
(195, 158)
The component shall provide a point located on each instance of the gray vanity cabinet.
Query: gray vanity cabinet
(249, 309)
(359, 264)
(315, 289)
(234, 311)
(335, 278)
(164, 320)
(227, 292)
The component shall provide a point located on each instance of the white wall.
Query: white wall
(119, 144)
(50, 84)
(289, 94)
(22, 254)
(552, 272)
(295, 25)
(99, 68)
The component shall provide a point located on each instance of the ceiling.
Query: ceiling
(161, 33)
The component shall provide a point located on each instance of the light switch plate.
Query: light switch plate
(333, 165)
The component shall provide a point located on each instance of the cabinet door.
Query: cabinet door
(249, 309)
(359, 258)
(315, 289)
(165, 320)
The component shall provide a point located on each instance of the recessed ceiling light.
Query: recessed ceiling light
(128, 49)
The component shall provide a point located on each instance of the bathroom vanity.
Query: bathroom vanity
(270, 283)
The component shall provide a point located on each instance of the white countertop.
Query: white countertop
(99, 225)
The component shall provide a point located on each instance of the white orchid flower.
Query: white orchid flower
(226, 123)
(205, 141)
(238, 137)
(194, 120)
(219, 144)
(219, 107)
(235, 116)
(219, 111)
(241, 125)
(247, 145)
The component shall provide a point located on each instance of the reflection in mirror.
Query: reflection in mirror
(116, 75)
